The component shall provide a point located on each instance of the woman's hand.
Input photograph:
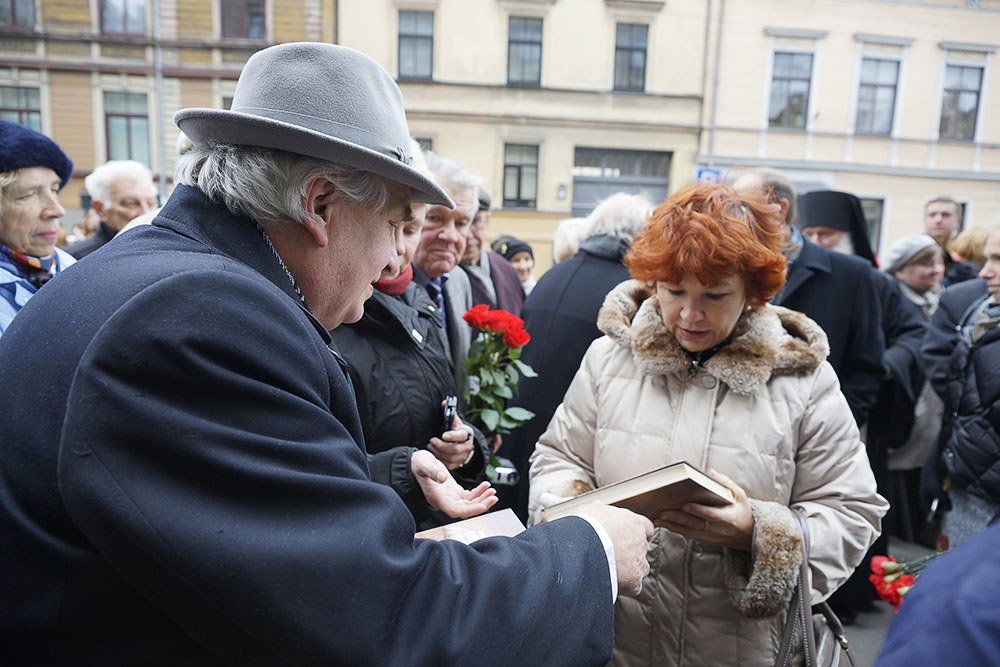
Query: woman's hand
(444, 493)
(730, 526)
(454, 447)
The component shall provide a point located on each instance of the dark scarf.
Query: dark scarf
(38, 270)
(397, 285)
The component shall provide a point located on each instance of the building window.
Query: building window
(416, 44)
(123, 17)
(599, 173)
(520, 175)
(425, 143)
(873, 209)
(17, 13)
(790, 89)
(877, 96)
(243, 19)
(630, 56)
(524, 51)
(127, 126)
(22, 106)
(961, 101)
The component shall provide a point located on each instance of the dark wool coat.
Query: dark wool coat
(84, 247)
(510, 294)
(184, 482)
(401, 372)
(838, 292)
(561, 316)
(953, 616)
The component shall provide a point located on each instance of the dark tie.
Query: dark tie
(435, 290)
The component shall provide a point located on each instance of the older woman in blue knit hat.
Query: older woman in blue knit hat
(33, 169)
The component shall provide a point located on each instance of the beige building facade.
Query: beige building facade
(895, 102)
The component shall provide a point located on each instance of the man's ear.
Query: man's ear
(783, 203)
(99, 207)
(319, 202)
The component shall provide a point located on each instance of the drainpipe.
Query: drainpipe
(715, 86)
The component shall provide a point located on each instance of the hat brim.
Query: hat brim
(233, 127)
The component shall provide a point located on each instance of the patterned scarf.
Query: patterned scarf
(397, 285)
(38, 270)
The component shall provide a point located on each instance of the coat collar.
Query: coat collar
(767, 341)
(191, 213)
(812, 259)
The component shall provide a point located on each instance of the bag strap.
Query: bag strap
(799, 613)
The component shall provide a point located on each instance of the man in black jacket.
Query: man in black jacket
(183, 479)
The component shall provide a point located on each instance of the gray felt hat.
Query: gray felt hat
(320, 100)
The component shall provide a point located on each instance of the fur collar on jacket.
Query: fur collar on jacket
(769, 340)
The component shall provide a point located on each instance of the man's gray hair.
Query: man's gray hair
(267, 185)
(621, 215)
(450, 175)
(567, 237)
(776, 186)
(99, 182)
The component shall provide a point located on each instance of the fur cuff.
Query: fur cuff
(760, 583)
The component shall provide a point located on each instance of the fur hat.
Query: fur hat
(899, 254)
(512, 246)
(21, 147)
(323, 101)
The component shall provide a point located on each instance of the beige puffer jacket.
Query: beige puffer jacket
(767, 411)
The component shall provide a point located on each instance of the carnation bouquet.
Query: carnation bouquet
(893, 580)
(494, 369)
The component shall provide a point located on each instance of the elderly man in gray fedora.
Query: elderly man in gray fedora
(184, 480)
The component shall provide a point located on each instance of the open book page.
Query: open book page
(503, 523)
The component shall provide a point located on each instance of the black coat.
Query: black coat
(183, 481)
(838, 292)
(967, 377)
(84, 247)
(561, 316)
(401, 372)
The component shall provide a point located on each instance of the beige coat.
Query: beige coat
(767, 411)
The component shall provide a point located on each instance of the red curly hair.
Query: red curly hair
(711, 232)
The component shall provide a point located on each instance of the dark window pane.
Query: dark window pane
(113, 16)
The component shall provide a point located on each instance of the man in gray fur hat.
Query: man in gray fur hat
(184, 480)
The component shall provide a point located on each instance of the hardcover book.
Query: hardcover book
(503, 523)
(650, 493)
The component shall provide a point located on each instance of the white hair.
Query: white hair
(450, 175)
(621, 215)
(268, 185)
(99, 182)
(567, 237)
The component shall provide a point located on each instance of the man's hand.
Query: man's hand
(630, 534)
(454, 447)
(444, 493)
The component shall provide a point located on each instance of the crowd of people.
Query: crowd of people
(229, 417)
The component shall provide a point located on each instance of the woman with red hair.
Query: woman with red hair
(696, 366)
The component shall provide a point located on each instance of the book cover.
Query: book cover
(650, 493)
(503, 523)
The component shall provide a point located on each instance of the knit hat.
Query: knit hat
(21, 147)
(512, 246)
(899, 254)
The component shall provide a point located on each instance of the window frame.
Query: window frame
(631, 50)
(125, 15)
(414, 37)
(523, 43)
(22, 110)
(244, 36)
(771, 123)
(519, 201)
(944, 97)
(876, 86)
(128, 116)
(14, 25)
